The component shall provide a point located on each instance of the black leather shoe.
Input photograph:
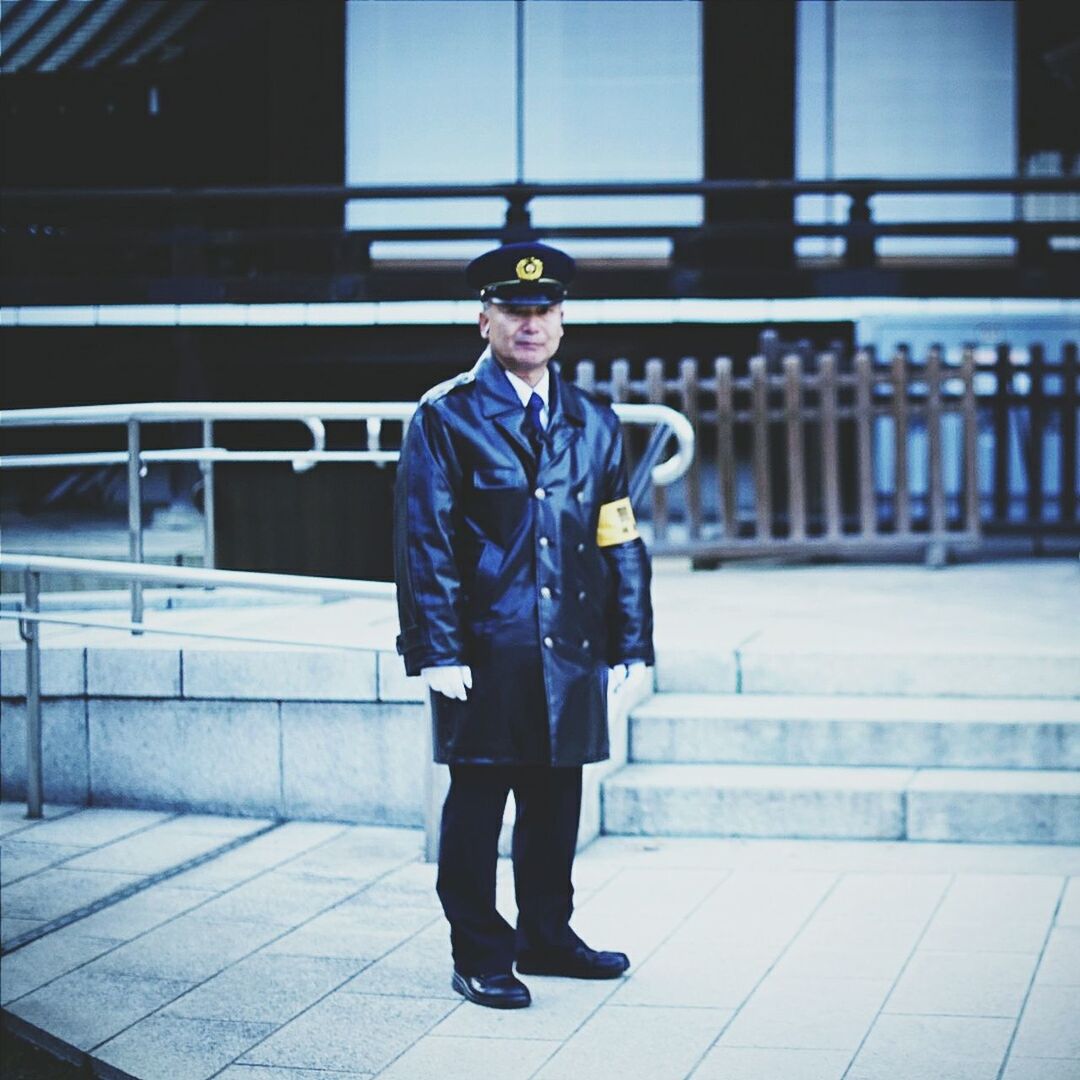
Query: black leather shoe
(499, 991)
(577, 963)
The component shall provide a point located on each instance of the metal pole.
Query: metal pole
(28, 631)
(209, 527)
(135, 536)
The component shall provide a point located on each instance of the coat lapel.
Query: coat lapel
(566, 420)
(501, 405)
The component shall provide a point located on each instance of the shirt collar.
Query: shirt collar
(524, 391)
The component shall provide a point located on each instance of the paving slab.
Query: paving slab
(963, 984)
(1060, 963)
(86, 1007)
(57, 891)
(637, 1043)
(46, 959)
(20, 858)
(136, 914)
(177, 1048)
(188, 948)
(350, 1032)
(92, 827)
(1048, 1025)
(932, 1047)
(462, 1058)
(268, 1072)
(264, 988)
(820, 1012)
(757, 1063)
(1033, 1068)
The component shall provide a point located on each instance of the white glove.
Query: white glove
(452, 681)
(620, 674)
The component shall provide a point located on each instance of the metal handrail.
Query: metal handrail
(861, 187)
(33, 566)
(667, 421)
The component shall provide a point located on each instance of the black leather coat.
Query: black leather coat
(498, 566)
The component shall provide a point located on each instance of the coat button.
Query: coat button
(581, 549)
(548, 642)
(540, 493)
(544, 541)
(580, 496)
(585, 643)
(581, 596)
(545, 592)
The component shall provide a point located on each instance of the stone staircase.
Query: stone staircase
(801, 749)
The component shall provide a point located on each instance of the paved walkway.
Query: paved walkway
(304, 950)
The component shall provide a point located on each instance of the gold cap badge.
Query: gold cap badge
(529, 269)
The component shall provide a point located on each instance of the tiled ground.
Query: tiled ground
(318, 950)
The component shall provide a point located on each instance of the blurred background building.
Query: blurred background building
(215, 201)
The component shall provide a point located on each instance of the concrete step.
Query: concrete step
(1036, 806)
(996, 733)
(762, 666)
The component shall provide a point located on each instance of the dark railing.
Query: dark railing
(802, 452)
(175, 232)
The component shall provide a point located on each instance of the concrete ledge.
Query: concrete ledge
(978, 805)
(993, 805)
(394, 685)
(279, 674)
(133, 672)
(1022, 733)
(353, 762)
(215, 756)
(756, 800)
(65, 750)
(63, 672)
(764, 671)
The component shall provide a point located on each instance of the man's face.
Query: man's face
(523, 337)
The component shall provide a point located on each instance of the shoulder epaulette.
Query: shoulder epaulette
(440, 390)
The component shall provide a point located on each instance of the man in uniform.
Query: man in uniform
(521, 580)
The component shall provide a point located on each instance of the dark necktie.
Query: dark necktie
(533, 424)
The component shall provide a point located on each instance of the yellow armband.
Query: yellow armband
(617, 524)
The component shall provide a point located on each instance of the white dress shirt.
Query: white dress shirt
(524, 391)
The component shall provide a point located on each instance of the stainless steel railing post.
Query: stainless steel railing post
(29, 632)
(135, 533)
(209, 527)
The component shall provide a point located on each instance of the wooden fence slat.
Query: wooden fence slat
(688, 390)
(585, 376)
(725, 447)
(864, 421)
(936, 492)
(655, 393)
(830, 446)
(1000, 410)
(1036, 420)
(1068, 432)
(796, 458)
(902, 497)
(970, 422)
(759, 404)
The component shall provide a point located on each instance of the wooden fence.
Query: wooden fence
(805, 453)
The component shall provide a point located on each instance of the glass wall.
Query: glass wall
(608, 91)
(890, 88)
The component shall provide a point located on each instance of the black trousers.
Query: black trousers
(545, 837)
